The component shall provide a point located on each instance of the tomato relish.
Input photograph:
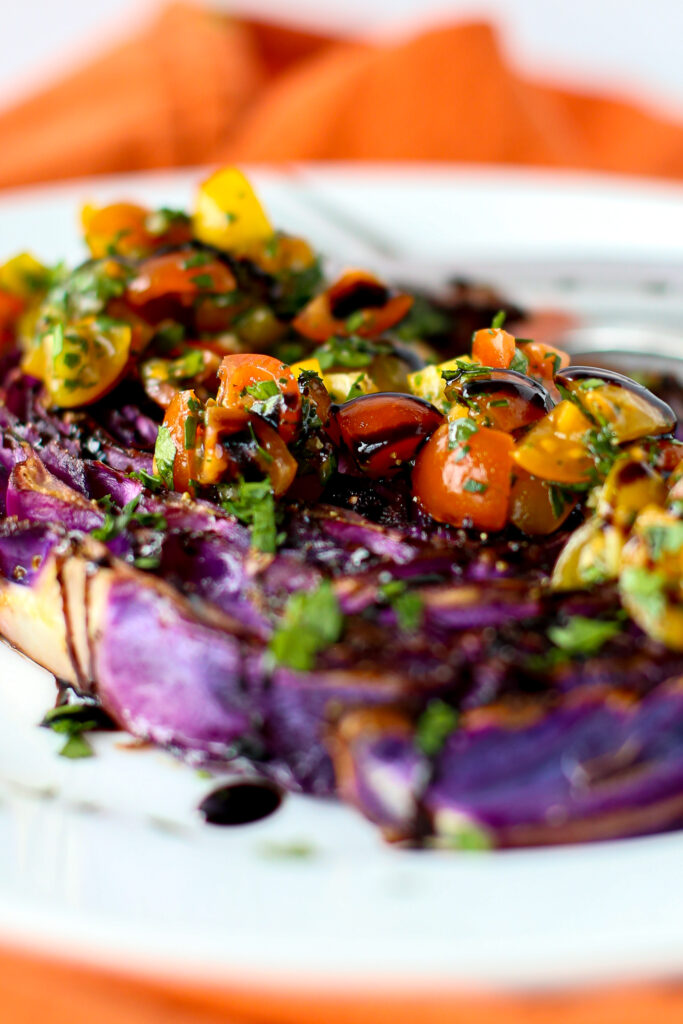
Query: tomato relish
(257, 368)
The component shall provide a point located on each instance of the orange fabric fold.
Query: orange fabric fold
(44, 991)
(197, 86)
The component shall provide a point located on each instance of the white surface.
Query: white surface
(627, 46)
(105, 858)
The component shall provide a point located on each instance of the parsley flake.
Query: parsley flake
(311, 622)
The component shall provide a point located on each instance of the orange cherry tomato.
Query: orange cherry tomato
(465, 483)
(544, 360)
(183, 421)
(243, 370)
(277, 462)
(358, 303)
(123, 228)
(385, 430)
(492, 346)
(177, 274)
(532, 508)
(219, 422)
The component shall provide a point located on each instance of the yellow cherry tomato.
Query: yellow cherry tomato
(228, 214)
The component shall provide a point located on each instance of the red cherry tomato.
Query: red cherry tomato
(492, 346)
(179, 275)
(465, 483)
(358, 303)
(383, 431)
(246, 370)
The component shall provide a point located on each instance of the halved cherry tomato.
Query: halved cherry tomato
(465, 483)
(629, 408)
(532, 508)
(184, 422)
(283, 252)
(385, 430)
(544, 360)
(180, 275)
(243, 370)
(503, 399)
(358, 303)
(219, 422)
(492, 346)
(163, 378)
(124, 229)
(277, 462)
(555, 449)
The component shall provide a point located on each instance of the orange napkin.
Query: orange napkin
(196, 86)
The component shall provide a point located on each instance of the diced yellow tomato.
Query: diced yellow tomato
(340, 385)
(554, 448)
(629, 414)
(591, 555)
(229, 215)
(429, 384)
(306, 366)
(79, 363)
(629, 486)
(23, 275)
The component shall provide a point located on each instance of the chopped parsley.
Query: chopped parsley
(406, 604)
(466, 369)
(422, 321)
(499, 403)
(355, 321)
(664, 538)
(196, 259)
(190, 432)
(519, 363)
(356, 389)
(204, 281)
(352, 353)
(434, 726)
(252, 502)
(263, 390)
(460, 431)
(580, 635)
(115, 525)
(591, 383)
(311, 622)
(164, 456)
(645, 589)
(72, 720)
(148, 480)
(475, 486)
(158, 222)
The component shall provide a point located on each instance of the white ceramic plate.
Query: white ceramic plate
(106, 859)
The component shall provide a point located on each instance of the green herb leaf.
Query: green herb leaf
(520, 363)
(164, 456)
(263, 390)
(664, 539)
(197, 259)
(475, 486)
(75, 747)
(204, 281)
(434, 726)
(581, 635)
(645, 589)
(311, 622)
(407, 604)
(355, 321)
(499, 319)
(254, 505)
(591, 383)
(499, 403)
(190, 432)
